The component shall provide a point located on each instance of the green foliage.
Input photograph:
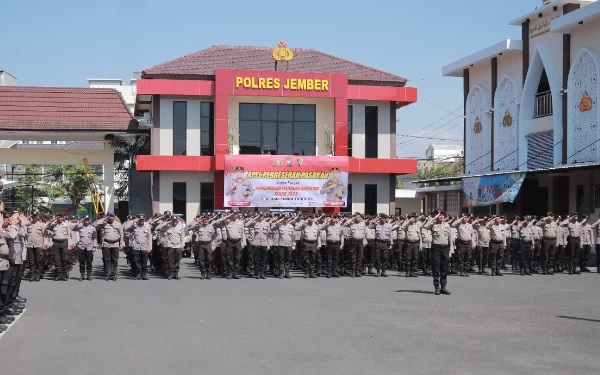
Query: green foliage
(441, 171)
(32, 190)
(69, 182)
(399, 183)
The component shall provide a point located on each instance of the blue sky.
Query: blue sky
(64, 42)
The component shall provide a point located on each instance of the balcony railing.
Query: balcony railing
(543, 104)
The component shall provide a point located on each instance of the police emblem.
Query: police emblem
(507, 120)
(282, 52)
(477, 127)
(586, 103)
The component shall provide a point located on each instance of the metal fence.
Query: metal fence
(543, 104)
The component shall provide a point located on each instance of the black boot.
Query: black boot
(378, 273)
(262, 276)
(522, 272)
(138, 277)
(306, 274)
(89, 275)
(235, 276)
(208, 277)
(107, 278)
(407, 274)
(576, 271)
(144, 277)
(383, 274)
(445, 291)
(171, 275)
(499, 273)
(176, 276)
(287, 274)
(82, 277)
(437, 291)
(312, 275)
(202, 275)
(352, 273)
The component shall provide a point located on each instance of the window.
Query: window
(370, 199)
(349, 130)
(53, 142)
(179, 127)
(207, 196)
(207, 128)
(348, 207)
(277, 129)
(371, 131)
(179, 198)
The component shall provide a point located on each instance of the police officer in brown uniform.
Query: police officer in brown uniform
(260, 243)
(35, 245)
(412, 243)
(587, 240)
(497, 245)
(62, 243)
(235, 240)
(112, 241)
(334, 244)
(440, 233)
(310, 237)
(358, 237)
(205, 236)
(286, 244)
(464, 241)
(174, 241)
(596, 227)
(525, 229)
(550, 232)
(86, 247)
(573, 242)
(140, 243)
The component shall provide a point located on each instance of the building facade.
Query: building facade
(128, 92)
(532, 105)
(231, 100)
(448, 153)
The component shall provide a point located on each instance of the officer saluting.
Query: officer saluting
(573, 242)
(174, 242)
(335, 243)
(35, 244)
(334, 187)
(111, 233)
(464, 241)
(239, 189)
(412, 228)
(235, 240)
(550, 232)
(86, 246)
(440, 232)
(205, 237)
(140, 243)
(62, 242)
(310, 240)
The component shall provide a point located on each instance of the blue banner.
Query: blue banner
(488, 190)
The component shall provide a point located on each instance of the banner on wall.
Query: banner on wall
(285, 181)
(488, 190)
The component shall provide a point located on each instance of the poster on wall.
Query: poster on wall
(285, 181)
(488, 190)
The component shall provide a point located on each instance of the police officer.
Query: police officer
(35, 244)
(515, 243)
(383, 243)
(358, 240)
(550, 232)
(235, 240)
(260, 243)
(426, 240)
(440, 232)
(86, 247)
(596, 227)
(526, 238)
(400, 251)
(464, 241)
(344, 258)
(587, 241)
(204, 241)
(483, 243)
(370, 247)
(285, 246)
(412, 227)
(174, 242)
(240, 188)
(497, 244)
(111, 234)
(310, 241)
(5, 310)
(15, 238)
(334, 240)
(573, 242)
(62, 243)
(140, 242)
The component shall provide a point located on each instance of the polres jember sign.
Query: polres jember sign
(292, 84)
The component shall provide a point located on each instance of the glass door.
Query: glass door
(284, 139)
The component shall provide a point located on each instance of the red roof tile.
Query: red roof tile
(204, 63)
(64, 108)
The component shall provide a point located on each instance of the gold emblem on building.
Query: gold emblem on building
(477, 127)
(282, 52)
(277, 163)
(586, 102)
(507, 120)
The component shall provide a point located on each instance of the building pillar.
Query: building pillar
(219, 177)
(109, 175)
(494, 87)
(466, 88)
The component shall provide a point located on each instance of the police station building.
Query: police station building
(282, 126)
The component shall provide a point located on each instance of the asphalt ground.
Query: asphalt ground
(489, 325)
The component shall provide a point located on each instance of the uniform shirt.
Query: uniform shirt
(4, 252)
(525, 233)
(174, 236)
(140, 236)
(333, 232)
(204, 233)
(561, 235)
(335, 190)
(322, 234)
(237, 190)
(515, 231)
(111, 234)
(346, 230)
(596, 226)
(549, 230)
(15, 238)
(497, 233)
(126, 233)
(87, 237)
(413, 231)
(74, 234)
(573, 228)
(383, 232)
(35, 235)
(358, 230)
(440, 232)
(587, 234)
(218, 240)
(464, 231)
(48, 238)
(426, 237)
(453, 235)
(262, 232)
(60, 232)
(370, 231)
(400, 231)
(536, 233)
(233, 230)
(286, 234)
(309, 232)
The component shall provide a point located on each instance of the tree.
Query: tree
(33, 189)
(69, 181)
(399, 183)
(441, 171)
(126, 152)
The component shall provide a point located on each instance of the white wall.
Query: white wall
(359, 180)
(542, 124)
(324, 113)
(192, 180)
(358, 129)
(408, 205)
(511, 64)
(585, 36)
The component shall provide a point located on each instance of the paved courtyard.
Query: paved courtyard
(489, 325)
